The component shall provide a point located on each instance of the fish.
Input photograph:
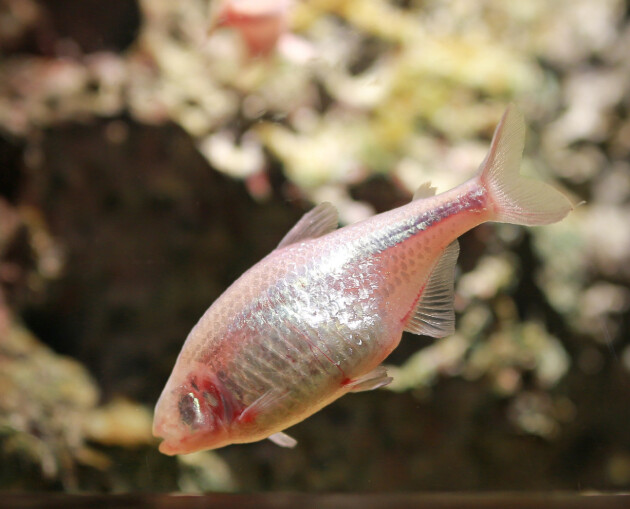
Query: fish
(315, 319)
(260, 23)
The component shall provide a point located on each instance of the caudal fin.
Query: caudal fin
(516, 199)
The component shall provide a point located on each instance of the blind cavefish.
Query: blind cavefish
(316, 317)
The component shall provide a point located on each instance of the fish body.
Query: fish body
(314, 319)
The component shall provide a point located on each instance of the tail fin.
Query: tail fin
(516, 199)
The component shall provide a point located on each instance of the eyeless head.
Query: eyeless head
(190, 416)
(190, 410)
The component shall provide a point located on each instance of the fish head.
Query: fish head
(191, 416)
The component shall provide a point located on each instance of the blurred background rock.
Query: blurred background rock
(145, 162)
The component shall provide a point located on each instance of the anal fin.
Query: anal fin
(283, 440)
(370, 381)
(434, 314)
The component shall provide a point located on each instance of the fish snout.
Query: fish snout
(186, 421)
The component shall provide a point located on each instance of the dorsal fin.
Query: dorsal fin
(316, 222)
(426, 190)
(434, 314)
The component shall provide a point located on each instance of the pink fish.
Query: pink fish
(260, 23)
(315, 319)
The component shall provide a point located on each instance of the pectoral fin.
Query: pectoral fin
(262, 404)
(283, 440)
(434, 314)
(370, 381)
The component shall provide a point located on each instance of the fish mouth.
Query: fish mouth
(176, 441)
(166, 447)
(188, 445)
(172, 444)
(169, 436)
